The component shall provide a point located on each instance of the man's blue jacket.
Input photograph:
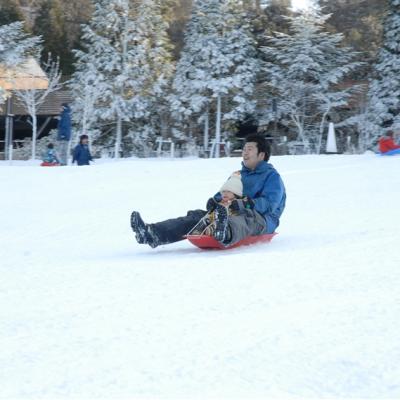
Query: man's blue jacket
(265, 187)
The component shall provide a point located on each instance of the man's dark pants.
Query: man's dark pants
(247, 223)
(173, 230)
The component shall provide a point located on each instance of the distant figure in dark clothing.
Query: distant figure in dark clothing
(386, 143)
(64, 132)
(81, 152)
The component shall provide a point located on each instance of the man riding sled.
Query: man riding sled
(256, 212)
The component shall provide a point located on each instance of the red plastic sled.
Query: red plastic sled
(47, 164)
(208, 242)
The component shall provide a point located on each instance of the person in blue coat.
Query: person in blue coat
(64, 132)
(81, 152)
(259, 211)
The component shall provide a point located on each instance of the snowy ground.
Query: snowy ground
(85, 312)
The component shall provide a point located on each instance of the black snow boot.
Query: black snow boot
(143, 231)
(221, 232)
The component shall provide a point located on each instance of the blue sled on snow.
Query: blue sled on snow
(390, 153)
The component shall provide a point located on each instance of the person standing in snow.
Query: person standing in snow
(64, 133)
(81, 152)
(258, 213)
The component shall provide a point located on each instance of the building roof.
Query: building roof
(27, 75)
(50, 107)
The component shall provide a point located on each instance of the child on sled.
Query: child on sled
(221, 207)
(50, 157)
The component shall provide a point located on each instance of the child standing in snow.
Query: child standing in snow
(50, 156)
(81, 152)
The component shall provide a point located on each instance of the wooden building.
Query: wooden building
(14, 116)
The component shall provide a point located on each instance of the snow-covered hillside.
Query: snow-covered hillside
(86, 312)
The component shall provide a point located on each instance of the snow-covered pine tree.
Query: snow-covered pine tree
(122, 66)
(15, 46)
(116, 42)
(50, 23)
(302, 69)
(86, 87)
(159, 61)
(383, 110)
(10, 12)
(218, 62)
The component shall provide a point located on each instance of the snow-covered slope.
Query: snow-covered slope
(87, 312)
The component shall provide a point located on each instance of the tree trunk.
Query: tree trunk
(321, 131)
(34, 135)
(300, 134)
(118, 138)
(206, 130)
(8, 144)
(218, 127)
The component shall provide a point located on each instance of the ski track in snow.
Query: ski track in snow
(86, 312)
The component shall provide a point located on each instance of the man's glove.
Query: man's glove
(212, 202)
(241, 204)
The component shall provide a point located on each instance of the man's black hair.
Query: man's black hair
(262, 144)
(50, 146)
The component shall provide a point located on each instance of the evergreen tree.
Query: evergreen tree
(123, 66)
(153, 19)
(217, 64)
(302, 69)
(76, 13)
(360, 21)
(383, 110)
(50, 24)
(86, 85)
(177, 19)
(276, 12)
(9, 12)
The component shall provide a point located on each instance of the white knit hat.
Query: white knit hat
(233, 184)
